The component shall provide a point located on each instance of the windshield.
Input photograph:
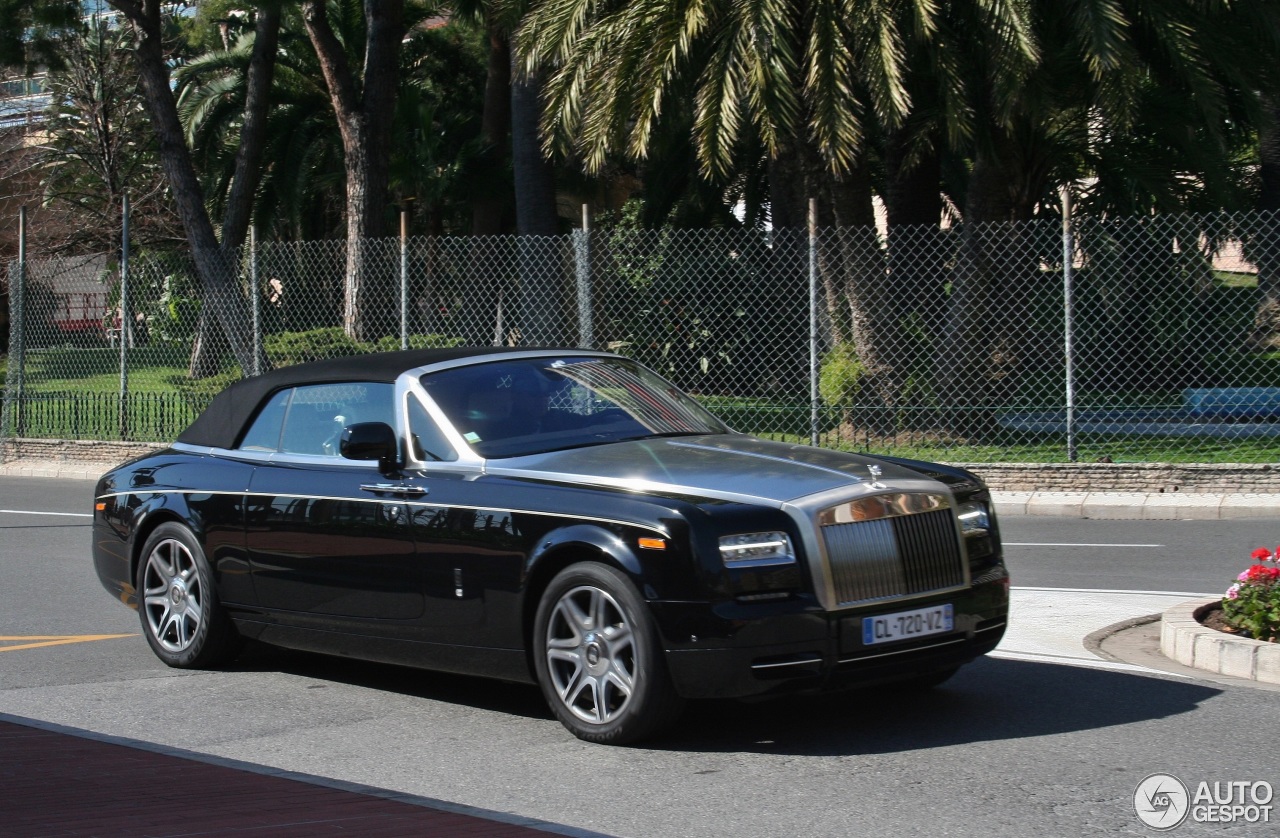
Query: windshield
(526, 406)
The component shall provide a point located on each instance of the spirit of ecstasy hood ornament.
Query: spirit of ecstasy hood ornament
(876, 471)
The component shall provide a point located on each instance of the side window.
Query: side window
(309, 420)
(264, 433)
(428, 441)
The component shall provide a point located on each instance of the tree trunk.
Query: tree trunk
(253, 132)
(491, 201)
(215, 267)
(851, 267)
(987, 322)
(207, 348)
(489, 206)
(913, 205)
(1265, 242)
(365, 109)
(863, 286)
(542, 316)
(917, 280)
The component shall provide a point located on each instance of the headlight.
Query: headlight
(756, 549)
(973, 518)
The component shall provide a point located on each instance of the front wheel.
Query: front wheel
(598, 660)
(181, 616)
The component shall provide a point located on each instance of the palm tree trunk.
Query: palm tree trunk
(542, 316)
(986, 332)
(488, 205)
(365, 113)
(1265, 243)
(491, 200)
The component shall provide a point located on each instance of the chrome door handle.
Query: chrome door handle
(403, 490)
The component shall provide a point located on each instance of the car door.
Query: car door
(327, 543)
(471, 553)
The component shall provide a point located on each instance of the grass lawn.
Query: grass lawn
(151, 369)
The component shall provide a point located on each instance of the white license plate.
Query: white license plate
(936, 619)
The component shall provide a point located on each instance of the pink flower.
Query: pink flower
(1233, 592)
(1243, 577)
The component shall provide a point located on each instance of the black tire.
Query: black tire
(178, 604)
(598, 659)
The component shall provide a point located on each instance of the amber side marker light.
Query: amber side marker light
(653, 543)
(100, 506)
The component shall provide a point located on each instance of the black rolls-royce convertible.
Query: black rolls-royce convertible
(562, 517)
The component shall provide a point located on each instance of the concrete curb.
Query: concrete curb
(1185, 640)
(64, 469)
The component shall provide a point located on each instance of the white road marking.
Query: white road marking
(1188, 594)
(62, 514)
(1070, 544)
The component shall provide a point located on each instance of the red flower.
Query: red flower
(1261, 554)
(1262, 575)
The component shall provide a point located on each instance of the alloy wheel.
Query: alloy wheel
(591, 654)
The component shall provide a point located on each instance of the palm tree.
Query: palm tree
(301, 142)
(812, 81)
(1143, 95)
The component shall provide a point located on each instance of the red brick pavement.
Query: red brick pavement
(57, 785)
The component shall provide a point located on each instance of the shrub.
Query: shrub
(288, 348)
(391, 343)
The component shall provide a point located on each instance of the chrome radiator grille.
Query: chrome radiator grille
(904, 554)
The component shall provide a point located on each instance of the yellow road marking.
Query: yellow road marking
(35, 641)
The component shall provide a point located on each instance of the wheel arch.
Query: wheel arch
(568, 546)
(151, 520)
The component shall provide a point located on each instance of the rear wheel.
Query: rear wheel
(598, 659)
(181, 616)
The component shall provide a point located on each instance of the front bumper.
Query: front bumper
(737, 651)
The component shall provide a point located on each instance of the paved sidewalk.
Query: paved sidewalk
(55, 783)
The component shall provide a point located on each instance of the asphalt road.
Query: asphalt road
(1009, 747)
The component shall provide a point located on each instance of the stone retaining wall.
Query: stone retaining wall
(1227, 478)
(73, 450)
(1221, 479)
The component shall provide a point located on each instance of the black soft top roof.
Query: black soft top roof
(221, 423)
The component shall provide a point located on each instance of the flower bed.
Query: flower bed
(1251, 606)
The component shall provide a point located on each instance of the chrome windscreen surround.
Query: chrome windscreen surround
(895, 545)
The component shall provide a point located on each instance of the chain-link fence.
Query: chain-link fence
(1144, 340)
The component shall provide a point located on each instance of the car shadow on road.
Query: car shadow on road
(991, 699)
(523, 700)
